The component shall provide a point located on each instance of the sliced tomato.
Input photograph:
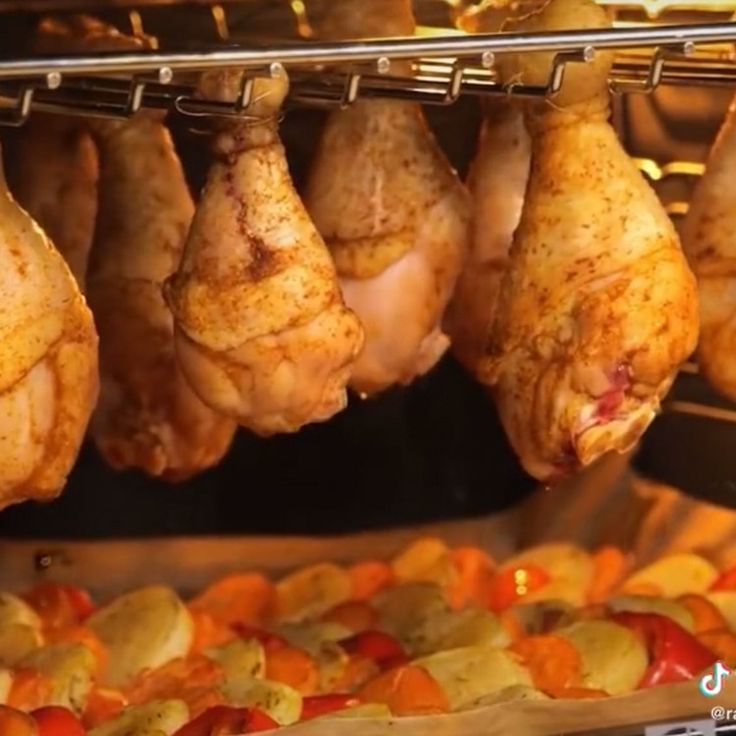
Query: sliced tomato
(223, 720)
(383, 649)
(53, 720)
(726, 580)
(319, 705)
(60, 606)
(514, 584)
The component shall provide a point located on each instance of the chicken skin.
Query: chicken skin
(597, 308)
(148, 417)
(391, 210)
(710, 245)
(262, 333)
(48, 360)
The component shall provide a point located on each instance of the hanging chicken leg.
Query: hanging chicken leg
(598, 307)
(497, 183)
(392, 211)
(48, 360)
(709, 239)
(147, 417)
(262, 333)
(53, 173)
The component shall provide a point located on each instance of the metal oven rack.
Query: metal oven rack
(444, 67)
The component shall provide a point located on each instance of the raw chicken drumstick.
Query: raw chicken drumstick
(147, 417)
(262, 333)
(48, 360)
(709, 239)
(598, 307)
(54, 171)
(392, 211)
(497, 183)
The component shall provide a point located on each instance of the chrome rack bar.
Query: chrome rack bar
(345, 52)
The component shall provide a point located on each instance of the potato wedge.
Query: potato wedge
(18, 641)
(405, 609)
(649, 604)
(672, 576)
(614, 659)
(470, 673)
(70, 668)
(14, 610)
(725, 602)
(281, 702)
(514, 692)
(310, 636)
(6, 680)
(142, 629)
(158, 716)
(426, 560)
(454, 629)
(308, 593)
(569, 567)
(240, 659)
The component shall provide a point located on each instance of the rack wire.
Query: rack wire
(444, 68)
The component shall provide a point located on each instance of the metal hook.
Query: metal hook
(656, 70)
(454, 85)
(556, 76)
(135, 96)
(17, 115)
(219, 17)
(245, 94)
(351, 90)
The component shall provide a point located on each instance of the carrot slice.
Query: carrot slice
(208, 632)
(369, 578)
(706, 616)
(610, 566)
(553, 662)
(15, 723)
(512, 625)
(293, 667)
(29, 689)
(407, 691)
(722, 643)
(103, 704)
(354, 615)
(172, 678)
(576, 693)
(241, 598)
(474, 575)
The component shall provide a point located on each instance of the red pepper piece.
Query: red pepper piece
(512, 585)
(383, 649)
(222, 720)
(726, 580)
(319, 705)
(675, 654)
(60, 606)
(53, 720)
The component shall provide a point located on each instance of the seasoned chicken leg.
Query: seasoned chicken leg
(54, 172)
(598, 307)
(48, 360)
(709, 239)
(497, 183)
(148, 417)
(392, 211)
(262, 333)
